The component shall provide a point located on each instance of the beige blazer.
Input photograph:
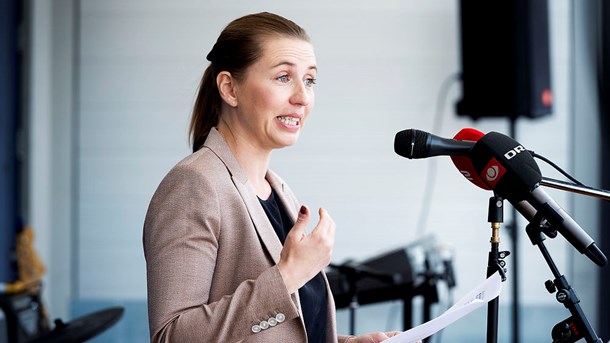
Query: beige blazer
(211, 257)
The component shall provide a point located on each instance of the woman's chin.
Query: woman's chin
(287, 140)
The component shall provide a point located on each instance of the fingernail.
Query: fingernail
(303, 210)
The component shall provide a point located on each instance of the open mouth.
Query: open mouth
(291, 121)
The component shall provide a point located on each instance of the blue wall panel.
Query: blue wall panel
(9, 95)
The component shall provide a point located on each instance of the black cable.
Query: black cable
(431, 174)
(563, 172)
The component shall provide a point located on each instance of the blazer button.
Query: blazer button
(264, 325)
(272, 321)
(256, 328)
(280, 317)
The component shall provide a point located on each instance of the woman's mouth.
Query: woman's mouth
(290, 121)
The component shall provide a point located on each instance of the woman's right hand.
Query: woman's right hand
(305, 255)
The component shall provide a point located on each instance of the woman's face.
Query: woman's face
(277, 93)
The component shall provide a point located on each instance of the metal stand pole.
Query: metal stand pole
(495, 263)
(514, 235)
(577, 326)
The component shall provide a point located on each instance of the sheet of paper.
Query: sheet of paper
(481, 295)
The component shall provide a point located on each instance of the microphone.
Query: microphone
(414, 143)
(463, 163)
(466, 168)
(509, 169)
(502, 164)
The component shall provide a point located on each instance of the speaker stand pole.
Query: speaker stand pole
(515, 249)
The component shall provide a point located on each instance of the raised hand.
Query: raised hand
(305, 255)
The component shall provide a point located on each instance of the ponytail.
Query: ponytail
(206, 111)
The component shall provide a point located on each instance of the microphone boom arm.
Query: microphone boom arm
(574, 188)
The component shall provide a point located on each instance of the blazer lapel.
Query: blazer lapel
(217, 144)
(259, 219)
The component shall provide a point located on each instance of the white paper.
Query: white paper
(481, 295)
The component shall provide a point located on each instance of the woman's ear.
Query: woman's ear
(227, 88)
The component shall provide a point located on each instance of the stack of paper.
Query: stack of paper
(481, 295)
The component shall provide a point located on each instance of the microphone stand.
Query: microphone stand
(495, 263)
(577, 326)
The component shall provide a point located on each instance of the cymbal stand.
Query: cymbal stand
(495, 263)
(577, 326)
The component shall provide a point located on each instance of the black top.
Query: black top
(313, 294)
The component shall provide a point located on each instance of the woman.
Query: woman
(228, 258)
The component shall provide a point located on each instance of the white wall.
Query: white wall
(51, 118)
(382, 66)
(585, 123)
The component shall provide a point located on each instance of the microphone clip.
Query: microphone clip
(537, 226)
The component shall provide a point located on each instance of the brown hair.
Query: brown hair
(238, 47)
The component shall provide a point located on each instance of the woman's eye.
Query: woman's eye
(283, 78)
(310, 81)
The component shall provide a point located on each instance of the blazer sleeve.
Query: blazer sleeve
(180, 239)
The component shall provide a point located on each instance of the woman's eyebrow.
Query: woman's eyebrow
(292, 64)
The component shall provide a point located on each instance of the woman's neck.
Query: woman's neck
(253, 161)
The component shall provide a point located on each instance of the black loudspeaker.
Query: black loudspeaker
(390, 276)
(505, 59)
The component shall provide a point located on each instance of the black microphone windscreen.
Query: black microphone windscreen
(506, 166)
(412, 143)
